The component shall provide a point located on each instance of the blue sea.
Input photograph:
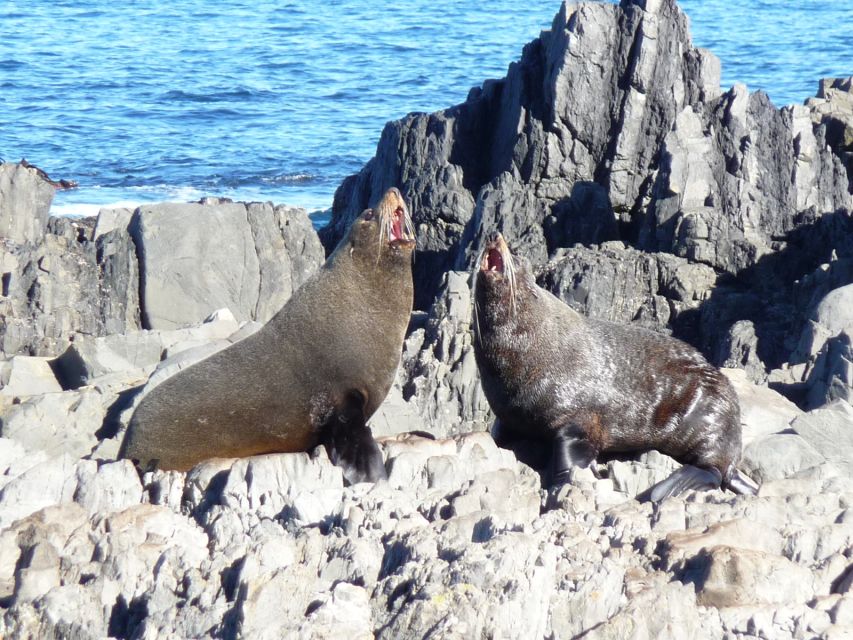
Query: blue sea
(152, 101)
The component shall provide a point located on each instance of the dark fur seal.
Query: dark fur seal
(314, 374)
(592, 387)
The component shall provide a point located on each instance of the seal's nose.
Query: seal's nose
(494, 237)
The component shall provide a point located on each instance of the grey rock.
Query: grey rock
(112, 218)
(111, 487)
(610, 126)
(135, 354)
(25, 198)
(345, 613)
(438, 376)
(830, 431)
(51, 288)
(643, 618)
(27, 376)
(620, 284)
(778, 456)
(308, 489)
(57, 423)
(833, 108)
(727, 576)
(186, 273)
(45, 483)
(763, 411)
(84, 277)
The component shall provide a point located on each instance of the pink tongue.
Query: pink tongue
(397, 229)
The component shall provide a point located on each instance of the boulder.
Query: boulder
(187, 273)
(25, 197)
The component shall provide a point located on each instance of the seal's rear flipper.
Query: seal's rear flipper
(742, 484)
(684, 479)
(569, 451)
(350, 444)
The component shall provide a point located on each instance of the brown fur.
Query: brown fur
(320, 366)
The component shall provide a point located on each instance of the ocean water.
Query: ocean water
(280, 100)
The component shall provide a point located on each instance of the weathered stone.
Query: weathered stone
(344, 614)
(726, 576)
(111, 487)
(438, 376)
(49, 482)
(830, 431)
(26, 376)
(25, 198)
(620, 284)
(57, 423)
(186, 273)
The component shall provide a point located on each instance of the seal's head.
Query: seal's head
(384, 233)
(499, 274)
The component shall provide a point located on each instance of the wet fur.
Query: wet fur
(592, 387)
(314, 374)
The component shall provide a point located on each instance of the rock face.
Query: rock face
(187, 272)
(159, 267)
(612, 127)
(26, 199)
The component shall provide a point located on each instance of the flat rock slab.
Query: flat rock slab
(830, 431)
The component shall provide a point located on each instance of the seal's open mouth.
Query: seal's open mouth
(494, 260)
(496, 256)
(398, 219)
(395, 220)
(496, 273)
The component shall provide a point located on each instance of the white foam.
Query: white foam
(110, 198)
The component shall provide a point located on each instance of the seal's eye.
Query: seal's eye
(368, 215)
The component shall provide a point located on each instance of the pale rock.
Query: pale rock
(57, 423)
(642, 618)
(738, 534)
(763, 411)
(830, 431)
(112, 486)
(47, 483)
(779, 456)
(25, 197)
(310, 488)
(37, 572)
(344, 613)
(22, 376)
(726, 576)
(252, 274)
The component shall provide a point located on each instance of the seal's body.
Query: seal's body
(314, 374)
(592, 387)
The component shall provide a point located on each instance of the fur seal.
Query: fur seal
(591, 387)
(314, 374)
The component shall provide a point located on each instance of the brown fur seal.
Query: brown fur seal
(314, 374)
(592, 387)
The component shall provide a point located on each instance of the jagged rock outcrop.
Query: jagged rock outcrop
(833, 107)
(25, 199)
(612, 126)
(158, 267)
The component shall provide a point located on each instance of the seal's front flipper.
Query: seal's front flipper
(684, 479)
(350, 443)
(569, 451)
(742, 484)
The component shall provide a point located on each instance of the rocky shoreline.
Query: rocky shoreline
(641, 191)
